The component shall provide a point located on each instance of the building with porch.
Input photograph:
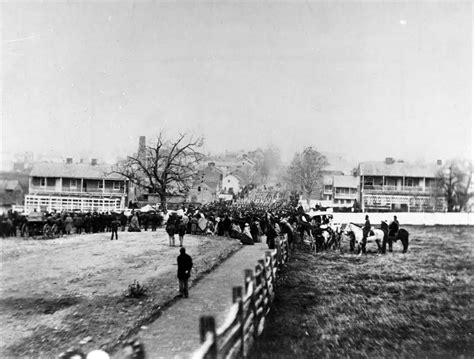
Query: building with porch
(76, 187)
(340, 190)
(399, 186)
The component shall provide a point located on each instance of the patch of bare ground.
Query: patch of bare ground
(414, 305)
(56, 293)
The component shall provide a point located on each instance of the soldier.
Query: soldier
(185, 264)
(114, 227)
(393, 227)
(365, 232)
(182, 226)
(171, 228)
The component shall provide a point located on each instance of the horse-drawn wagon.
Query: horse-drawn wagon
(36, 224)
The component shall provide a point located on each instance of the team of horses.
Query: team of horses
(321, 233)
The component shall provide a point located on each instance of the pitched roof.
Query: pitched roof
(327, 180)
(74, 170)
(8, 185)
(398, 169)
(346, 181)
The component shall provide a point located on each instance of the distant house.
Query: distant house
(206, 185)
(341, 190)
(231, 163)
(76, 186)
(399, 186)
(210, 174)
(203, 194)
(231, 184)
(11, 193)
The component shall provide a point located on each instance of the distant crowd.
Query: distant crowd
(247, 222)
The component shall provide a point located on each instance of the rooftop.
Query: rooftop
(75, 170)
(398, 169)
(346, 181)
(8, 185)
(341, 181)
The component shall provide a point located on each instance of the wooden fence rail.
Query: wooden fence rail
(246, 318)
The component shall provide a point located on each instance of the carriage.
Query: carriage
(322, 232)
(36, 224)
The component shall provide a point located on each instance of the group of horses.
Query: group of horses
(321, 233)
(378, 236)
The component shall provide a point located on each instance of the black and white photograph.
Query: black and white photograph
(205, 179)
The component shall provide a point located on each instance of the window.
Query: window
(368, 181)
(100, 184)
(390, 181)
(116, 184)
(73, 183)
(42, 182)
(342, 190)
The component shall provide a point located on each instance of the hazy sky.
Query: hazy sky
(369, 79)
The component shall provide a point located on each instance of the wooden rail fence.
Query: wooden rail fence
(246, 318)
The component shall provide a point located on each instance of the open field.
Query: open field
(56, 293)
(417, 305)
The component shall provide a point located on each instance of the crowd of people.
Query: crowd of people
(244, 221)
(65, 223)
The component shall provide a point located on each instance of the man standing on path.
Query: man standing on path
(185, 263)
(114, 227)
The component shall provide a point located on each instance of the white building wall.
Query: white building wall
(420, 218)
(231, 182)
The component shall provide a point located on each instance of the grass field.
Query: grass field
(414, 305)
(56, 293)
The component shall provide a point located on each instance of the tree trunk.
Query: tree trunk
(164, 205)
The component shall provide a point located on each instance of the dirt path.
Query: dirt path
(176, 333)
(53, 291)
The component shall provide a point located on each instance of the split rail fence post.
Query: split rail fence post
(237, 296)
(208, 324)
(268, 255)
(267, 294)
(249, 277)
(288, 250)
(279, 254)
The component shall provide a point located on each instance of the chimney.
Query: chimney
(141, 145)
(68, 160)
(93, 161)
(439, 162)
(389, 160)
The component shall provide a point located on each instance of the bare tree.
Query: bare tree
(305, 171)
(165, 168)
(454, 181)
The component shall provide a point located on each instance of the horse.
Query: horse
(401, 235)
(377, 236)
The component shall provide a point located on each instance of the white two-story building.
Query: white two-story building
(76, 187)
